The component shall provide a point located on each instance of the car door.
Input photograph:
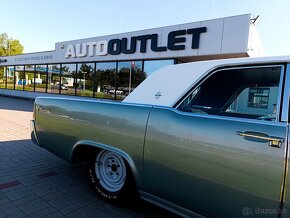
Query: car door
(221, 151)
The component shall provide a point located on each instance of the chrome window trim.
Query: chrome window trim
(285, 103)
(216, 70)
(279, 100)
(219, 117)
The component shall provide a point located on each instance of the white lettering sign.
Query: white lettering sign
(175, 42)
(70, 51)
(102, 48)
(80, 50)
(91, 47)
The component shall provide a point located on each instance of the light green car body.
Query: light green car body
(191, 164)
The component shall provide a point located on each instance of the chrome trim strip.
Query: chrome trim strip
(169, 206)
(280, 91)
(220, 117)
(103, 101)
(284, 115)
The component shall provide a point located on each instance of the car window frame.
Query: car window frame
(280, 100)
(285, 105)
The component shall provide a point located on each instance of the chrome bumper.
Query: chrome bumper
(33, 133)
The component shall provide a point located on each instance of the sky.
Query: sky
(38, 25)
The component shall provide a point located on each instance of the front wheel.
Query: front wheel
(110, 176)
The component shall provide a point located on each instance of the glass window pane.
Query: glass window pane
(259, 100)
(20, 77)
(258, 97)
(85, 79)
(29, 78)
(2, 77)
(40, 78)
(68, 75)
(246, 93)
(129, 76)
(10, 77)
(123, 82)
(137, 75)
(105, 80)
(152, 66)
(53, 84)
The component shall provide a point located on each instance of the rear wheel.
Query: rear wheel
(110, 176)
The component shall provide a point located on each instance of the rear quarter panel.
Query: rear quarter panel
(62, 123)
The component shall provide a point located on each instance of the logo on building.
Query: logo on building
(175, 42)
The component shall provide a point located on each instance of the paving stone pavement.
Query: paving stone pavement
(36, 183)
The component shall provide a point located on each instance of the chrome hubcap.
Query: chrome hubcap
(110, 171)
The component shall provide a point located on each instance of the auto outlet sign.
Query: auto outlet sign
(211, 39)
(141, 43)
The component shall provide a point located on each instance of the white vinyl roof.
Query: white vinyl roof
(167, 85)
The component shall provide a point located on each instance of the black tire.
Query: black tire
(111, 178)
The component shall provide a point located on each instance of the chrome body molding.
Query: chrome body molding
(169, 206)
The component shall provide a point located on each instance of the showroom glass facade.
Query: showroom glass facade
(53, 78)
(19, 78)
(29, 78)
(40, 78)
(10, 73)
(85, 79)
(109, 80)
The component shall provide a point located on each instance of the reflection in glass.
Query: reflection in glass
(68, 75)
(152, 66)
(129, 76)
(19, 77)
(40, 78)
(85, 79)
(29, 78)
(105, 80)
(10, 72)
(137, 74)
(82, 79)
(2, 77)
(53, 79)
(258, 97)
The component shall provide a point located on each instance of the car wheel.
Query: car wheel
(110, 177)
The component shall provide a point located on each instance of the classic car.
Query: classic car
(204, 139)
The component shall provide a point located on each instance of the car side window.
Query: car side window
(249, 92)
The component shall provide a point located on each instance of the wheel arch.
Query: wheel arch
(83, 148)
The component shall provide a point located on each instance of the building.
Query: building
(110, 67)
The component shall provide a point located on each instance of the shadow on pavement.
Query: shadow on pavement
(32, 175)
(18, 104)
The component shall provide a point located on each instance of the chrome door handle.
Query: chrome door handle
(273, 141)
